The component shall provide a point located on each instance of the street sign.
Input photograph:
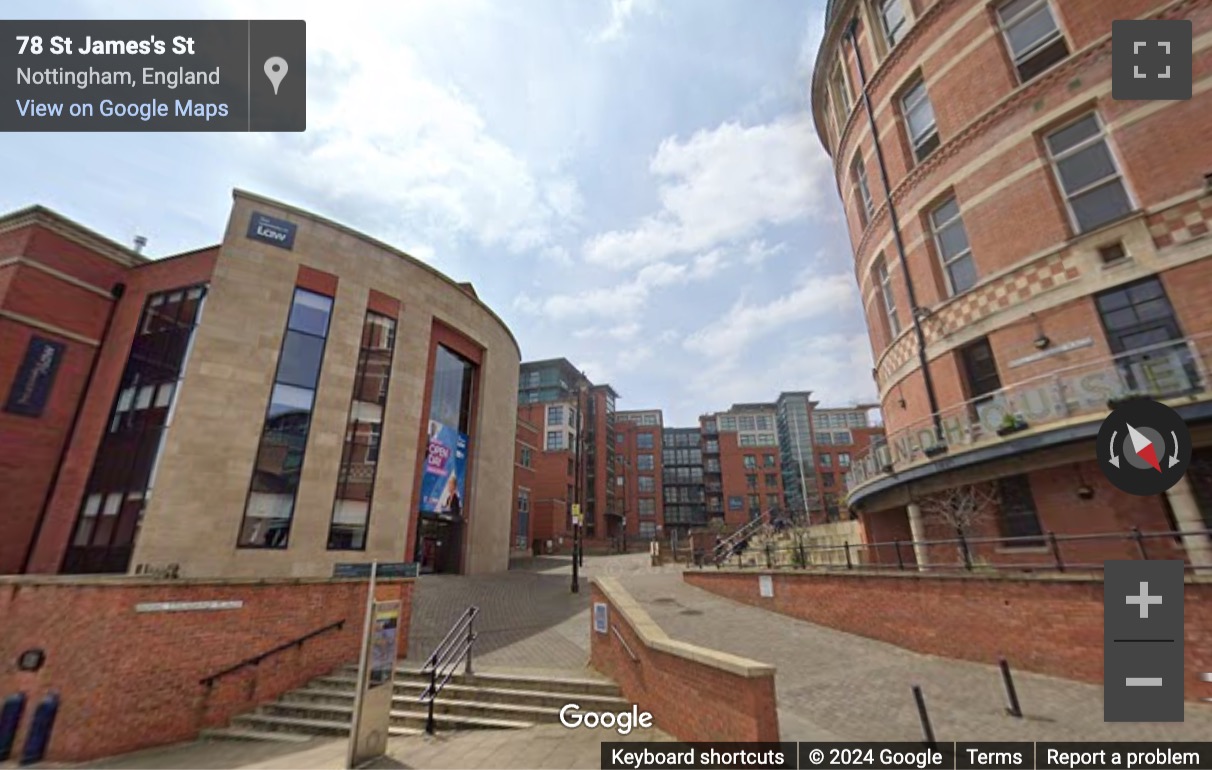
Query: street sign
(576, 514)
(403, 569)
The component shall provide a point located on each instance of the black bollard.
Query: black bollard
(1012, 708)
(927, 730)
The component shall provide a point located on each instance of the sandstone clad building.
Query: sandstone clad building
(296, 396)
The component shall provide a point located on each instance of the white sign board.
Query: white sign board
(188, 606)
(765, 585)
(599, 617)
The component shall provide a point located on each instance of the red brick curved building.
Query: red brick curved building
(1028, 248)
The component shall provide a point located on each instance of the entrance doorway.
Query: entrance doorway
(439, 545)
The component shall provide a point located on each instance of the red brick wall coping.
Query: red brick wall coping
(1047, 623)
(130, 581)
(693, 693)
(912, 573)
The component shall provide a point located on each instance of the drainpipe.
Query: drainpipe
(914, 310)
(116, 292)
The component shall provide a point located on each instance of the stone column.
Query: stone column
(1186, 513)
(917, 531)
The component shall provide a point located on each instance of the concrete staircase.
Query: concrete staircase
(324, 706)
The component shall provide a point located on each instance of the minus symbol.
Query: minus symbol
(1143, 681)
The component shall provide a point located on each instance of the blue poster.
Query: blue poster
(442, 484)
(35, 377)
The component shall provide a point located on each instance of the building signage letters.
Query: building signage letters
(271, 230)
(1158, 373)
(189, 606)
(1056, 351)
(31, 389)
(403, 569)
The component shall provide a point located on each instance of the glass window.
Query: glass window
(843, 459)
(951, 240)
(841, 96)
(555, 415)
(644, 462)
(309, 313)
(748, 439)
(823, 438)
(646, 506)
(919, 120)
(750, 461)
(1139, 317)
(746, 423)
(754, 502)
(736, 503)
(772, 480)
(884, 281)
(769, 461)
(643, 441)
(647, 484)
(1032, 35)
(751, 480)
(1017, 513)
(827, 479)
(555, 440)
(450, 400)
(1087, 173)
(826, 460)
(842, 437)
(892, 15)
(300, 364)
(763, 422)
(862, 190)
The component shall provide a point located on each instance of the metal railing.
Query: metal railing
(255, 660)
(454, 649)
(1169, 370)
(730, 545)
(1045, 552)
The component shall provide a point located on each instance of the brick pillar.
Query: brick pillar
(918, 531)
(1186, 513)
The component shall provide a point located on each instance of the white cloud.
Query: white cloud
(722, 185)
(631, 358)
(556, 254)
(621, 12)
(757, 252)
(726, 338)
(623, 332)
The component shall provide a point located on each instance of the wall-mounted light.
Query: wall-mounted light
(900, 396)
(1084, 490)
(1042, 342)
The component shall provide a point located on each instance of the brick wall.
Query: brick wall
(130, 680)
(693, 693)
(1051, 625)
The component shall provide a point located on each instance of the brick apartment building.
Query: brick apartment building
(576, 461)
(296, 396)
(527, 448)
(1028, 250)
(638, 444)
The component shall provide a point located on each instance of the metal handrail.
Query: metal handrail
(256, 659)
(626, 646)
(454, 649)
(725, 547)
(1049, 542)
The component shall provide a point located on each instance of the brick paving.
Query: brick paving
(837, 686)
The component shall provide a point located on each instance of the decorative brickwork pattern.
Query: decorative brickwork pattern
(1182, 223)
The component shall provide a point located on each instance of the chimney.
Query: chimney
(140, 242)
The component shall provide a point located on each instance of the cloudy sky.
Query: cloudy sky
(632, 184)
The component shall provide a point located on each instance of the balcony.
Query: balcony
(1048, 408)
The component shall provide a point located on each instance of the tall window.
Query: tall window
(555, 415)
(751, 480)
(826, 460)
(892, 17)
(1094, 190)
(523, 534)
(643, 441)
(360, 457)
(124, 470)
(644, 462)
(647, 484)
(887, 298)
(1032, 36)
(646, 507)
(980, 369)
(275, 483)
(449, 452)
(843, 459)
(951, 240)
(555, 440)
(750, 461)
(919, 120)
(862, 191)
(1139, 317)
(841, 96)
(768, 461)
(1017, 515)
(772, 481)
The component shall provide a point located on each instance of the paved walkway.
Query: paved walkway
(833, 685)
(547, 746)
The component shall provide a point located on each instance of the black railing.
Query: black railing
(968, 554)
(255, 660)
(452, 650)
(735, 543)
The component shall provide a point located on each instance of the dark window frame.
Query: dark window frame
(1016, 507)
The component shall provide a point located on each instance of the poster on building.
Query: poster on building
(32, 386)
(442, 484)
(383, 644)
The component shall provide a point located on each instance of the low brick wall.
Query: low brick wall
(130, 680)
(1050, 624)
(693, 693)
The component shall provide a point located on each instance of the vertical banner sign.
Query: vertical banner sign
(442, 485)
(31, 389)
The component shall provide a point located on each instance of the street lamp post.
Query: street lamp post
(577, 546)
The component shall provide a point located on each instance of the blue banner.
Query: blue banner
(31, 389)
(442, 484)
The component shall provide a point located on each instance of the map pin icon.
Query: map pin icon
(275, 70)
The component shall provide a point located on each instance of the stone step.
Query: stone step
(234, 734)
(262, 722)
(443, 705)
(413, 688)
(549, 684)
(411, 719)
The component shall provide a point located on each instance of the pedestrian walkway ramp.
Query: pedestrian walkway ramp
(484, 700)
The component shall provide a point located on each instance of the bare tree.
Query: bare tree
(962, 508)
